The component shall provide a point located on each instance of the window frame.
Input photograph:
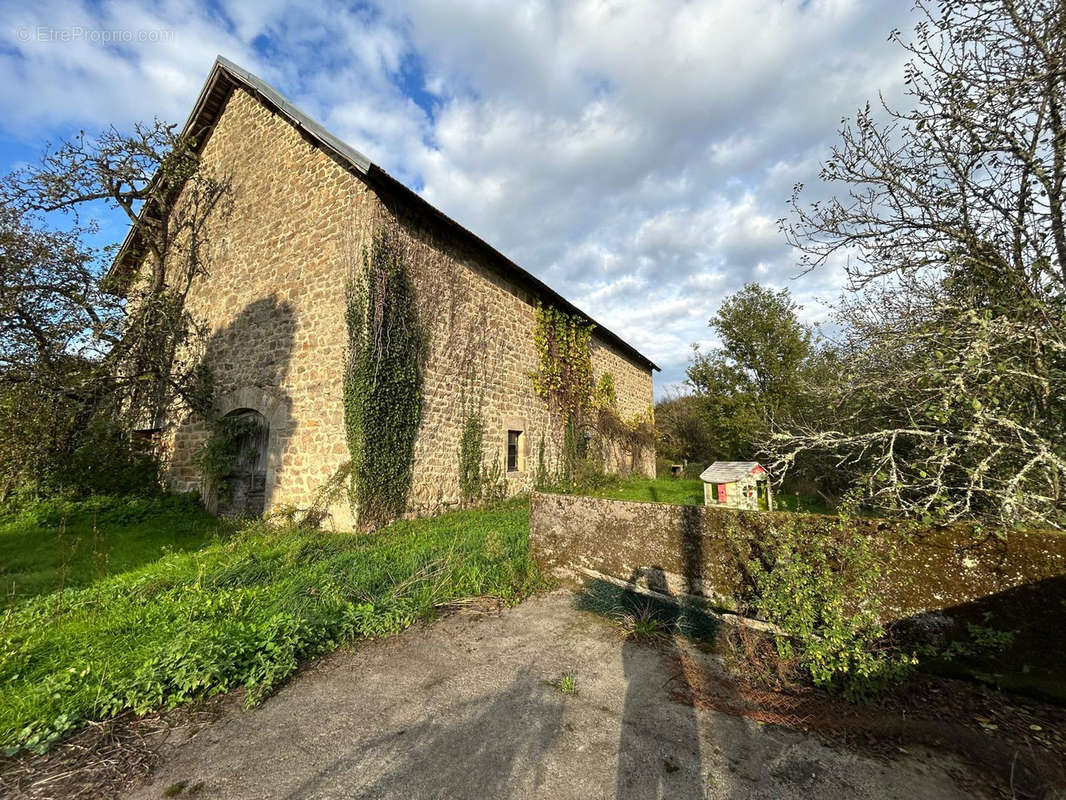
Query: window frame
(517, 451)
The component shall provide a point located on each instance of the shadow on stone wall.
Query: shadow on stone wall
(935, 577)
(248, 361)
(1032, 660)
(692, 549)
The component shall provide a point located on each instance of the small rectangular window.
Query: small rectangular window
(513, 438)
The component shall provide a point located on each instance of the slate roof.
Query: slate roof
(727, 471)
(225, 76)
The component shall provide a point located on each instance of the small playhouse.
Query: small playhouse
(737, 484)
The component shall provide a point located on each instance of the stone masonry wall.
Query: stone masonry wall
(697, 547)
(274, 302)
(936, 581)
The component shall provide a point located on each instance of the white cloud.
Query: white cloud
(636, 156)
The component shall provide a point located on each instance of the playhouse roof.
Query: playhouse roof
(727, 471)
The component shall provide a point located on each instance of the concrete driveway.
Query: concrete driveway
(465, 708)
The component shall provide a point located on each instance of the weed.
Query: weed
(818, 586)
(567, 684)
(638, 616)
(643, 625)
(223, 608)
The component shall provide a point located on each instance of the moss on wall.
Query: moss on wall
(1011, 580)
(932, 568)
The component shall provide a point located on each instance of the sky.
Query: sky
(634, 156)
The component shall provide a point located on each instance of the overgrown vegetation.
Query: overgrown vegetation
(217, 457)
(169, 617)
(818, 585)
(86, 357)
(586, 409)
(478, 482)
(564, 373)
(382, 381)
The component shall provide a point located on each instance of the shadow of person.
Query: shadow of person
(659, 751)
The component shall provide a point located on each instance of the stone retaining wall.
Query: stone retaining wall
(700, 549)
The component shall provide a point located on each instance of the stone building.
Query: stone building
(304, 207)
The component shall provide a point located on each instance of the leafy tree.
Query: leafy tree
(949, 220)
(683, 431)
(757, 373)
(90, 348)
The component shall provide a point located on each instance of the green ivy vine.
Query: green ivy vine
(588, 408)
(217, 456)
(383, 380)
(564, 371)
(477, 483)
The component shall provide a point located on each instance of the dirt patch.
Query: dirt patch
(106, 758)
(1018, 744)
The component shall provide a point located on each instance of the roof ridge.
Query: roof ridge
(370, 171)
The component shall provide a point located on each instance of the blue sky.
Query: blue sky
(635, 156)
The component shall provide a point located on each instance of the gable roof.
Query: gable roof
(225, 76)
(727, 471)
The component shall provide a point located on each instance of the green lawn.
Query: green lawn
(57, 544)
(170, 604)
(800, 503)
(678, 491)
(689, 492)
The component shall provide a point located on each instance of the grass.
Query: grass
(677, 491)
(801, 504)
(567, 684)
(689, 492)
(204, 609)
(642, 625)
(60, 544)
(641, 617)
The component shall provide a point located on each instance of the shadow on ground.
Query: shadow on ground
(487, 736)
(467, 708)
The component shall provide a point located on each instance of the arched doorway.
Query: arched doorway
(243, 490)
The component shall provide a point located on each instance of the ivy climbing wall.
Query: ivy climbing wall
(273, 306)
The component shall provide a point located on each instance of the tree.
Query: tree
(756, 374)
(683, 432)
(104, 346)
(948, 219)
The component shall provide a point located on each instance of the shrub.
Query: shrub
(818, 585)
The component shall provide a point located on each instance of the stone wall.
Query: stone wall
(273, 305)
(698, 547)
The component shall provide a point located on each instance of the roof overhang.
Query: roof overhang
(729, 471)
